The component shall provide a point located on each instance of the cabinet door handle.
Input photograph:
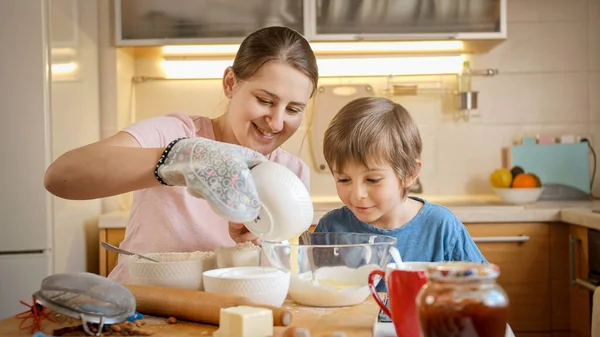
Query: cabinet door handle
(575, 280)
(518, 238)
(586, 284)
(572, 241)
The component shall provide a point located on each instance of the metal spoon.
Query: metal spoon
(112, 248)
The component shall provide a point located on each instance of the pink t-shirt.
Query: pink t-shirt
(167, 218)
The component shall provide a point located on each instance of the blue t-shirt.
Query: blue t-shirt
(434, 235)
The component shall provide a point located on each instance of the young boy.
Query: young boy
(373, 149)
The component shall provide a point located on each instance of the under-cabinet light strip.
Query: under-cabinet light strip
(328, 48)
(329, 67)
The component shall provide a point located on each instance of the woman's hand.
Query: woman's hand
(240, 234)
(217, 172)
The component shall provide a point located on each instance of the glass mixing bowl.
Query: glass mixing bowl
(330, 269)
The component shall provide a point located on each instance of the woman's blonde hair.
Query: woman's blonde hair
(373, 130)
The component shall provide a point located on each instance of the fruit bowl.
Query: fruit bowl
(330, 269)
(519, 195)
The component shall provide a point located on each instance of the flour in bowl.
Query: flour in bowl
(241, 255)
(206, 257)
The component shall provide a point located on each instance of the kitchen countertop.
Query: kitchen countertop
(354, 321)
(468, 208)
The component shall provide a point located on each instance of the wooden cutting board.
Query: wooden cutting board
(356, 321)
(328, 101)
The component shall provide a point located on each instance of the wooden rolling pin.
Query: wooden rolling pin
(195, 306)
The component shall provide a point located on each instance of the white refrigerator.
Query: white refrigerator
(25, 206)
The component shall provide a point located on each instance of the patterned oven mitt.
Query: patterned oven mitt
(215, 171)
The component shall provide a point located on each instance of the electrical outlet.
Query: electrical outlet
(578, 138)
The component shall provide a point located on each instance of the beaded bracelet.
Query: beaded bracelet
(162, 159)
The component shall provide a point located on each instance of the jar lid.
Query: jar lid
(463, 271)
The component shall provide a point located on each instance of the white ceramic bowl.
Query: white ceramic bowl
(261, 285)
(176, 270)
(519, 195)
(286, 206)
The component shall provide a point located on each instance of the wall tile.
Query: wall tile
(202, 97)
(539, 47)
(428, 175)
(467, 154)
(547, 10)
(564, 98)
(594, 93)
(594, 35)
(509, 98)
(533, 98)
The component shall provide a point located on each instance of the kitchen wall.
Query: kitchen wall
(549, 83)
(75, 122)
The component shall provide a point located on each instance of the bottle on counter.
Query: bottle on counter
(467, 98)
(462, 299)
(464, 82)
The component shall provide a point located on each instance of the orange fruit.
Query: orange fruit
(524, 180)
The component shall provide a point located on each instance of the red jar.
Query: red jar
(462, 299)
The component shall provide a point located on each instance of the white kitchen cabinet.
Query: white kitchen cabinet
(159, 22)
(335, 20)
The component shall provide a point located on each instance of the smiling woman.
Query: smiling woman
(190, 174)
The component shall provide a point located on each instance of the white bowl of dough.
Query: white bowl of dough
(286, 206)
(181, 270)
(261, 285)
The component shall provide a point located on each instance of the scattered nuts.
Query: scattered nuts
(172, 320)
(123, 329)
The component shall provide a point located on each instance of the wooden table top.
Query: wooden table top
(355, 321)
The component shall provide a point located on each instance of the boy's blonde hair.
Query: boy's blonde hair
(372, 130)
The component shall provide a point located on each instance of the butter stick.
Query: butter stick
(245, 321)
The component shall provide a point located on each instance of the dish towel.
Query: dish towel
(509, 332)
(596, 313)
